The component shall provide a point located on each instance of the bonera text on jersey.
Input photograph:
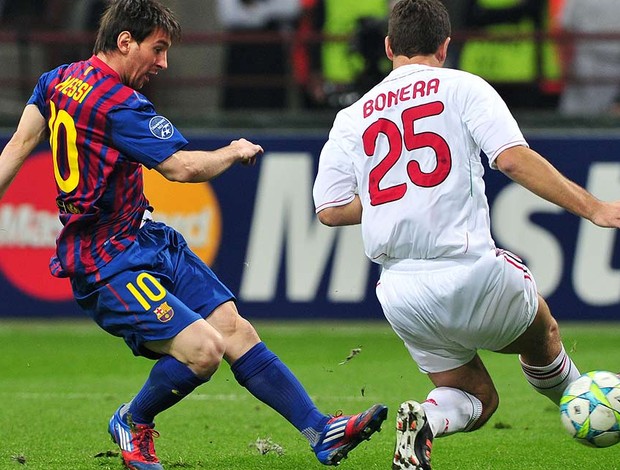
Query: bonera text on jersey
(408, 92)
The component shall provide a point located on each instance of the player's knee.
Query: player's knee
(553, 331)
(549, 325)
(545, 348)
(233, 327)
(206, 366)
(207, 358)
(246, 331)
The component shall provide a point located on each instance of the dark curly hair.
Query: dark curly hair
(418, 27)
(139, 17)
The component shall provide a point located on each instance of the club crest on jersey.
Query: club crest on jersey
(161, 127)
(164, 312)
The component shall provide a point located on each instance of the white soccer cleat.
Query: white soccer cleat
(414, 438)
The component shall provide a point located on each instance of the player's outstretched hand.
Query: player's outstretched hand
(246, 150)
(607, 215)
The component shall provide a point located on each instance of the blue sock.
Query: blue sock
(268, 379)
(168, 383)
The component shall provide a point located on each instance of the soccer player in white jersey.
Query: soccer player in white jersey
(405, 162)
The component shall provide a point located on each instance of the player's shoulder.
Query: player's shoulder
(462, 77)
(127, 99)
(467, 79)
(137, 100)
(347, 122)
(53, 74)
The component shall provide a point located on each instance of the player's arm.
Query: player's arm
(348, 214)
(30, 132)
(196, 166)
(336, 189)
(535, 173)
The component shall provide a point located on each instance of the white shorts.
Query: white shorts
(445, 310)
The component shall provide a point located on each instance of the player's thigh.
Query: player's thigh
(540, 344)
(195, 282)
(504, 301)
(446, 311)
(417, 304)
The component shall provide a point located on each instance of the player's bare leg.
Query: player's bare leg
(543, 358)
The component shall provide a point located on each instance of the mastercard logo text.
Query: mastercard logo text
(192, 209)
(29, 224)
(28, 228)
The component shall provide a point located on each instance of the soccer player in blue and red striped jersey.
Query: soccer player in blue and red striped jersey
(137, 278)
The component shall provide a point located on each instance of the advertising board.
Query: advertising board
(256, 227)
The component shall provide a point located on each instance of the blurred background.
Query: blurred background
(251, 62)
(277, 71)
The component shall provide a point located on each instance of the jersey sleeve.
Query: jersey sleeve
(143, 135)
(38, 97)
(335, 184)
(489, 120)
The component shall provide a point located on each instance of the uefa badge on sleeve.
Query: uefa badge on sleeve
(161, 127)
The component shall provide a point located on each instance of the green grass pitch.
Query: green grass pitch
(60, 381)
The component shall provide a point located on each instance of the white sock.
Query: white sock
(449, 410)
(551, 380)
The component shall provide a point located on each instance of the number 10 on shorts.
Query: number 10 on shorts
(146, 287)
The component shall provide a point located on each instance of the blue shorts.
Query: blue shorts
(151, 291)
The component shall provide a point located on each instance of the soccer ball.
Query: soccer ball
(590, 409)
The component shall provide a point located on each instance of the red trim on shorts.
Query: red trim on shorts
(516, 262)
(120, 299)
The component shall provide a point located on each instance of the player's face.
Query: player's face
(147, 59)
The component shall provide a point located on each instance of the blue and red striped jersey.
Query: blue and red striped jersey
(101, 133)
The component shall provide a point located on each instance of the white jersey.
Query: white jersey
(411, 149)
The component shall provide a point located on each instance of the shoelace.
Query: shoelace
(145, 442)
